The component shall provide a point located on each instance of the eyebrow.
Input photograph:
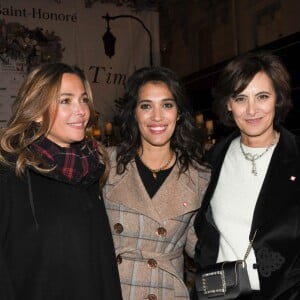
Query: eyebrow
(71, 94)
(149, 100)
(241, 94)
(263, 92)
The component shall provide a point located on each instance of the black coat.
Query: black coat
(55, 241)
(276, 218)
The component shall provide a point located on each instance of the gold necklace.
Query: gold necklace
(155, 171)
(253, 157)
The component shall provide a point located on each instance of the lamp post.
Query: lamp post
(109, 39)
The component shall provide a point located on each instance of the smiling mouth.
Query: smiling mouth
(255, 120)
(157, 129)
(78, 125)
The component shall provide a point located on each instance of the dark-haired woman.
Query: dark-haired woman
(55, 239)
(255, 186)
(155, 187)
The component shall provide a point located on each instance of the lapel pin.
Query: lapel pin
(293, 178)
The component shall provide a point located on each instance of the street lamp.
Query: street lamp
(109, 39)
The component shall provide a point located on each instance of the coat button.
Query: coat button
(161, 231)
(118, 228)
(152, 263)
(151, 297)
(119, 259)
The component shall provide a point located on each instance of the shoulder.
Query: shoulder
(112, 157)
(114, 177)
(203, 171)
(218, 150)
(205, 174)
(297, 141)
(112, 153)
(6, 171)
(198, 176)
(9, 182)
(288, 141)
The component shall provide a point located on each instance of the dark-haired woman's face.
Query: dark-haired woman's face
(156, 114)
(253, 109)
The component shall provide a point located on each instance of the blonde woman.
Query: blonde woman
(55, 241)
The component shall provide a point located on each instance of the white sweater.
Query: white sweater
(234, 201)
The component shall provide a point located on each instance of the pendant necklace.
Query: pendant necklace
(253, 157)
(155, 171)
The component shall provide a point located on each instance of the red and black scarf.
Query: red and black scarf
(78, 164)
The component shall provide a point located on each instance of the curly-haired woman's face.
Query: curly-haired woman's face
(156, 114)
(72, 113)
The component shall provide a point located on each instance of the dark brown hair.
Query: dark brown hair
(184, 141)
(238, 73)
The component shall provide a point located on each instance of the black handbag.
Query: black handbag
(224, 280)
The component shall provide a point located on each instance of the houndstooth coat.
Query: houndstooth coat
(151, 234)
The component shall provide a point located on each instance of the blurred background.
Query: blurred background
(109, 39)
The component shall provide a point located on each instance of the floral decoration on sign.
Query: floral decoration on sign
(31, 46)
(134, 4)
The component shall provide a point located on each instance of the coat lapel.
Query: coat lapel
(177, 196)
(282, 176)
(128, 190)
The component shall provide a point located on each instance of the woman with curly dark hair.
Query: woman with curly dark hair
(155, 186)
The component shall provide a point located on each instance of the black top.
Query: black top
(151, 184)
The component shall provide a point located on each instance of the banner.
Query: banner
(33, 32)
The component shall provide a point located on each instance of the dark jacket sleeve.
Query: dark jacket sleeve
(208, 237)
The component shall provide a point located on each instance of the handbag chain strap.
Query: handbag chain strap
(250, 246)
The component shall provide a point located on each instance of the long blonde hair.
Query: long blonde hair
(36, 95)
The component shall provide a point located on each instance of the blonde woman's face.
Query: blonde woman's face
(72, 114)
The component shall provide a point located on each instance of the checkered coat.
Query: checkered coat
(151, 234)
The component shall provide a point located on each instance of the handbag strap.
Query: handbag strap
(249, 246)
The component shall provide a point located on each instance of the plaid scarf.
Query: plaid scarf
(78, 164)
